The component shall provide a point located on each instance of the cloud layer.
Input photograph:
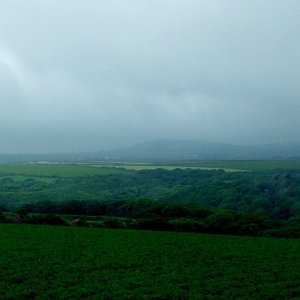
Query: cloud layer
(90, 75)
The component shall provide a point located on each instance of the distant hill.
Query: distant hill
(171, 150)
(51, 157)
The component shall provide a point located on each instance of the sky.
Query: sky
(93, 75)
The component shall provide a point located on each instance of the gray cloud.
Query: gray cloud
(83, 76)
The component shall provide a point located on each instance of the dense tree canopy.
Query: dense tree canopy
(276, 193)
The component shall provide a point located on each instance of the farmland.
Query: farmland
(249, 165)
(107, 168)
(226, 165)
(76, 169)
(93, 169)
(74, 262)
(44, 262)
(56, 170)
(274, 192)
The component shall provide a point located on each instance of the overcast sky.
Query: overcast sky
(88, 75)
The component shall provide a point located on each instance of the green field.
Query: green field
(250, 165)
(44, 262)
(56, 170)
(106, 168)
(226, 165)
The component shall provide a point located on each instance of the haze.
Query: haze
(92, 75)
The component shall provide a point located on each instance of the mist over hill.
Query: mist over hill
(170, 150)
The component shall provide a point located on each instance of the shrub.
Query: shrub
(155, 224)
(186, 225)
(46, 219)
(113, 223)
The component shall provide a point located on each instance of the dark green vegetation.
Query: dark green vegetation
(244, 203)
(64, 262)
(43, 262)
(152, 216)
(54, 170)
(275, 192)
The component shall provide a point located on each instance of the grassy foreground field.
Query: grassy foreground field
(44, 262)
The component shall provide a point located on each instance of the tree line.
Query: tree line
(153, 215)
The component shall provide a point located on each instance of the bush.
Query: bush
(113, 223)
(78, 222)
(286, 232)
(221, 222)
(155, 224)
(46, 219)
(186, 225)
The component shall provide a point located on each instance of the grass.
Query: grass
(24, 177)
(75, 170)
(20, 172)
(227, 165)
(44, 262)
(250, 165)
(57, 170)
